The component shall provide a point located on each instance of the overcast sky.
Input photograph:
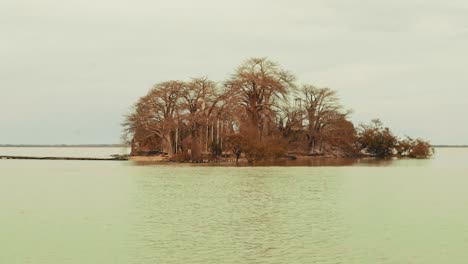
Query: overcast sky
(70, 69)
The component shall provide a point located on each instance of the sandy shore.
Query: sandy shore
(148, 158)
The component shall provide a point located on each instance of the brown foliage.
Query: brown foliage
(421, 149)
(321, 112)
(414, 148)
(256, 112)
(341, 136)
(377, 140)
(199, 98)
(237, 144)
(259, 85)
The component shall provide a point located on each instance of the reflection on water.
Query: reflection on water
(395, 211)
(316, 161)
(444, 157)
(243, 216)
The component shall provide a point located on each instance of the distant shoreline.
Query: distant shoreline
(65, 146)
(116, 158)
(450, 146)
(125, 146)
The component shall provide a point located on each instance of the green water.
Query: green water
(409, 211)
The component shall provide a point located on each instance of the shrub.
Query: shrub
(420, 149)
(180, 157)
(216, 149)
(377, 140)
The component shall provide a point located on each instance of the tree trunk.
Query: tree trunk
(221, 136)
(217, 131)
(196, 146)
(312, 145)
(176, 139)
(212, 132)
(206, 137)
(167, 144)
(238, 154)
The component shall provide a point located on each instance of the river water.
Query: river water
(111, 212)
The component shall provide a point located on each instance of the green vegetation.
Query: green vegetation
(259, 112)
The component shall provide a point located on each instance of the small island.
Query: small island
(259, 113)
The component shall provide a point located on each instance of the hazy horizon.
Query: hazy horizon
(70, 70)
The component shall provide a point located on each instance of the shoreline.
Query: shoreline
(63, 146)
(117, 158)
(166, 159)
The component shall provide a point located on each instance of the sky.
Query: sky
(71, 69)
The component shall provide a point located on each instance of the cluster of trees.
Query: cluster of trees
(259, 112)
(379, 141)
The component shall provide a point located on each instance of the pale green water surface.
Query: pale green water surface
(408, 211)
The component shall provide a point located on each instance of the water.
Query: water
(407, 211)
(76, 152)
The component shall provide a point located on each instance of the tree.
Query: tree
(322, 109)
(199, 98)
(341, 137)
(257, 112)
(237, 144)
(376, 139)
(259, 85)
(156, 114)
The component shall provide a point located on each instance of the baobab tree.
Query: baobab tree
(140, 129)
(321, 108)
(340, 137)
(157, 113)
(259, 85)
(199, 99)
(259, 113)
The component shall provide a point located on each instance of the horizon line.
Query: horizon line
(64, 145)
(127, 145)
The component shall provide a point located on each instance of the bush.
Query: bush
(181, 157)
(421, 149)
(216, 150)
(377, 140)
(414, 148)
(255, 150)
(269, 148)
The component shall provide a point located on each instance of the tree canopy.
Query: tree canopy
(259, 112)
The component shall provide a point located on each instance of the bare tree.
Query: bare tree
(258, 113)
(259, 85)
(156, 113)
(322, 108)
(199, 98)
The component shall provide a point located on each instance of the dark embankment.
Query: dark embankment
(116, 158)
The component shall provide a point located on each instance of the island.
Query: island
(259, 113)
